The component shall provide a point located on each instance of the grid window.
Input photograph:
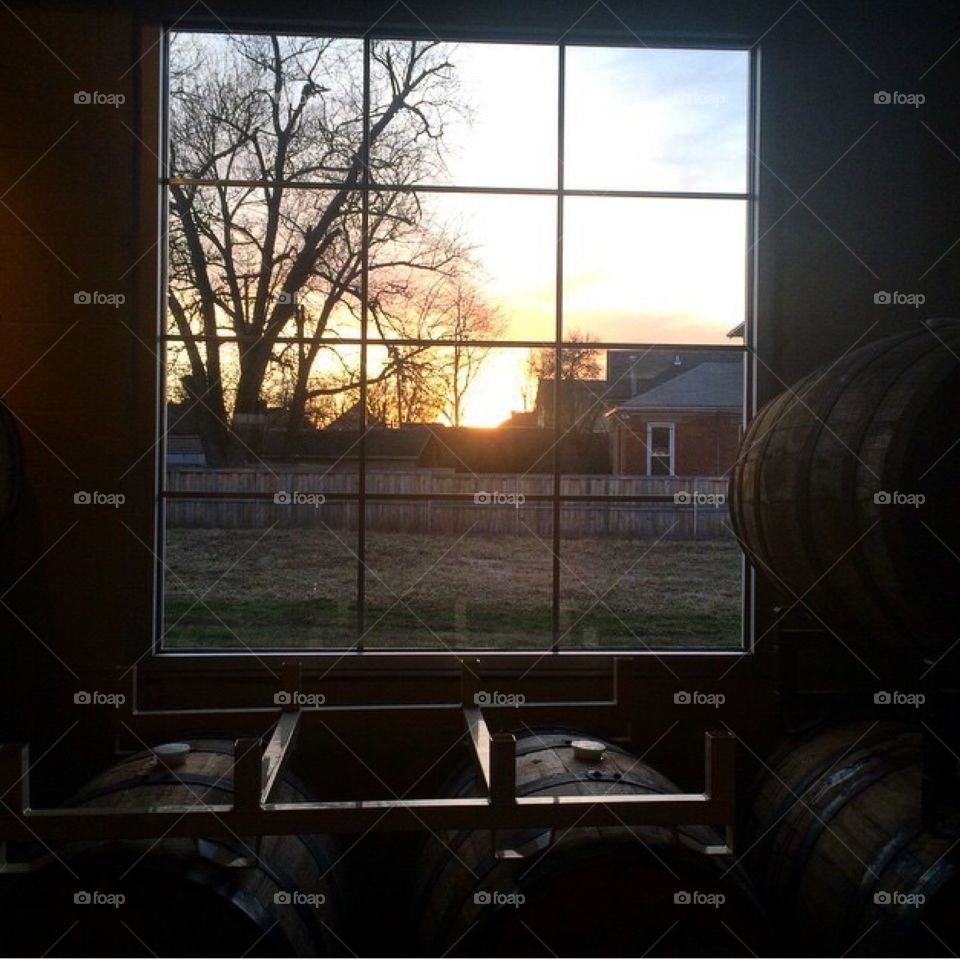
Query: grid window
(452, 332)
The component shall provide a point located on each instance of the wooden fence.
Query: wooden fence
(490, 504)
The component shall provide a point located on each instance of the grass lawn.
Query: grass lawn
(297, 588)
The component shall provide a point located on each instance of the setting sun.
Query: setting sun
(498, 390)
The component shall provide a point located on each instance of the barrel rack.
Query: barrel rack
(258, 767)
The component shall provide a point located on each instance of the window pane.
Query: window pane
(231, 119)
(649, 576)
(654, 271)
(467, 386)
(256, 574)
(304, 406)
(660, 465)
(656, 119)
(449, 576)
(615, 407)
(463, 267)
(469, 114)
(660, 441)
(264, 261)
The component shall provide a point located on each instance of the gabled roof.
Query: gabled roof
(631, 371)
(713, 385)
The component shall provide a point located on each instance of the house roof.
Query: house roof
(631, 371)
(714, 385)
(738, 330)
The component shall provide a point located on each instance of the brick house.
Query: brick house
(688, 424)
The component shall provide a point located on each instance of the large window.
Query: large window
(429, 305)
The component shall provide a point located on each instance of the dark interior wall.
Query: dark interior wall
(878, 207)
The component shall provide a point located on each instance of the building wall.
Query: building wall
(704, 444)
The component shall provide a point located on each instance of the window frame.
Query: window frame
(440, 659)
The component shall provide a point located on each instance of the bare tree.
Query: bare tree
(256, 257)
(581, 402)
(468, 317)
(576, 363)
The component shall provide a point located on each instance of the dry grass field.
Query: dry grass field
(291, 588)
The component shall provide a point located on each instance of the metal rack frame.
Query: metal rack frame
(258, 768)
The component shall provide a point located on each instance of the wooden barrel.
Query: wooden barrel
(826, 491)
(837, 845)
(204, 897)
(10, 465)
(582, 892)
